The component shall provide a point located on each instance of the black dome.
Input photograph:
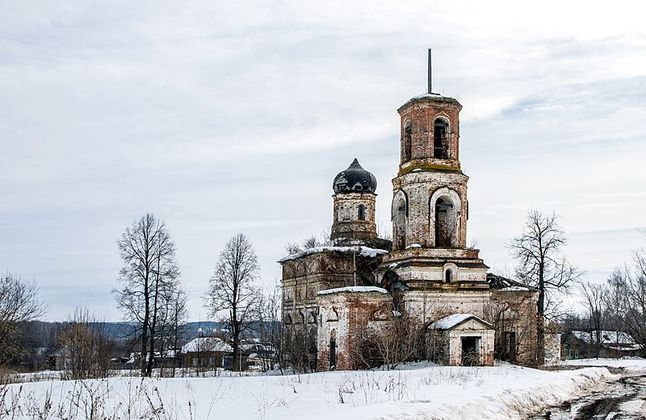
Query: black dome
(355, 179)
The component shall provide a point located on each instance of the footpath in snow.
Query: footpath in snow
(414, 392)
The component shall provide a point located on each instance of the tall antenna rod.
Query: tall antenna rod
(430, 73)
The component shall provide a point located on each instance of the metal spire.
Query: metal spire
(430, 73)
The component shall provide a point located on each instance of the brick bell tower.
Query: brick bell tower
(430, 208)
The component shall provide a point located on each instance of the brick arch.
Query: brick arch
(451, 195)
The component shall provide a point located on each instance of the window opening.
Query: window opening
(362, 212)
(408, 142)
(440, 139)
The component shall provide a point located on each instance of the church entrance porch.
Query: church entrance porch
(460, 340)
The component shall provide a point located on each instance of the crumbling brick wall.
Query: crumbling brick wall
(515, 312)
(346, 316)
(347, 224)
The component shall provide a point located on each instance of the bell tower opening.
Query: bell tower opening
(399, 211)
(444, 223)
(440, 139)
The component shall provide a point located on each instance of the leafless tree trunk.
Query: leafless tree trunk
(538, 252)
(18, 303)
(233, 293)
(149, 269)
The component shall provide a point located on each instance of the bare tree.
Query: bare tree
(233, 293)
(172, 325)
(86, 351)
(615, 300)
(593, 295)
(18, 303)
(312, 241)
(538, 252)
(148, 273)
(395, 342)
(634, 309)
(269, 327)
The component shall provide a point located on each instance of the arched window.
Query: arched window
(444, 223)
(399, 212)
(408, 141)
(448, 275)
(440, 139)
(362, 212)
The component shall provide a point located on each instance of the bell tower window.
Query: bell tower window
(408, 141)
(362, 212)
(444, 223)
(399, 216)
(440, 139)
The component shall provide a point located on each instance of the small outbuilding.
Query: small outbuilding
(599, 343)
(461, 340)
(207, 352)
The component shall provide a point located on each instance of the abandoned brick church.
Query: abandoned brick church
(358, 285)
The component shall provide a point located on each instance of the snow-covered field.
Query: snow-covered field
(503, 391)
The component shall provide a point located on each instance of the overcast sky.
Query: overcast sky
(223, 117)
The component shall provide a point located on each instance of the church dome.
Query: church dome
(355, 179)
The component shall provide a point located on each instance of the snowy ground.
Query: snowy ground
(631, 364)
(503, 391)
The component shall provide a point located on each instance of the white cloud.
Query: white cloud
(220, 116)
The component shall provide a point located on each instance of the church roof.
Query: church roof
(355, 179)
(452, 321)
(353, 289)
(501, 283)
(434, 97)
(361, 251)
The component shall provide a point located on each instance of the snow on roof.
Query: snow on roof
(362, 251)
(453, 321)
(353, 289)
(206, 344)
(515, 289)
(607, 337)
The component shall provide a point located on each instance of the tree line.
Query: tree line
(152, 298)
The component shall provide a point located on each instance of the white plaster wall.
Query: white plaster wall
(430, 305)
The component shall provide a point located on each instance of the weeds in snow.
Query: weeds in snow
(91, 400)
(371, 387)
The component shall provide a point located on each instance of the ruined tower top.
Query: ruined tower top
(354, 179)
(429, 131)
(430, 125)
(354, 204)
